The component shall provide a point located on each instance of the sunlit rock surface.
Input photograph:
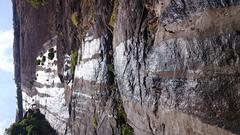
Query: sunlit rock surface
(47, 91)
(90, 92)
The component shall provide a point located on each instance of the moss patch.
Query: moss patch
(74, 18)
(94, 121)
(125, 128)
(74, 59)
(37, 3)
(114, 13)
(110, 68)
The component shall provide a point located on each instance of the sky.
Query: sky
(7, 85)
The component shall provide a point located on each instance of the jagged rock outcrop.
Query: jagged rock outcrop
(155, 67)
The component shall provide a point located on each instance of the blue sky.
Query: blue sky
(7, 85)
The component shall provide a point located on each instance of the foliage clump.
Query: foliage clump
(41, 62)
(74, 58)
(94, 121)
(37, 3)
(31, 82)
(51, 54)
(114, 13)
(38, 62)
(110, 68)
(43, 59)
(33, 123)
(74, 18)
(125, 128)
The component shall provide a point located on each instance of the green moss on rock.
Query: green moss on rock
(74, 18)
(126, 130)
(37, 3)
(114, 13)
(74, 59)
(94, 121)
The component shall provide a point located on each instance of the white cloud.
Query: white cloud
(2, 131)
(3, 125)
(6, 45)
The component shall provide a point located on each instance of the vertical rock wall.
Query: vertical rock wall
(186, 81)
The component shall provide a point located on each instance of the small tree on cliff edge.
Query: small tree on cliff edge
(33, 123)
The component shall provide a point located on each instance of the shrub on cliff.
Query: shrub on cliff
(33, 123)
(38, 62)
(51, 54)
(43, 59)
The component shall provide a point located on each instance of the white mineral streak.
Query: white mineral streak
(91, 69)
(90, 47)
(78, 94)
(120, 58)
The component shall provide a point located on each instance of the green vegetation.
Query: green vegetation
(125, 128)
(31, 82)
(38, 62)
(111, 76)
(43, 59)
(74, 18)
(114, 13)
(74, 58)
(51, 54)
(51, 50)
(121, 112)
(37, 3)
(94, 121)
(33, 123)
(110, 68)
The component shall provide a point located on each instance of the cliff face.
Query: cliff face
(39, 84)
(155, 67)
(189, 71)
